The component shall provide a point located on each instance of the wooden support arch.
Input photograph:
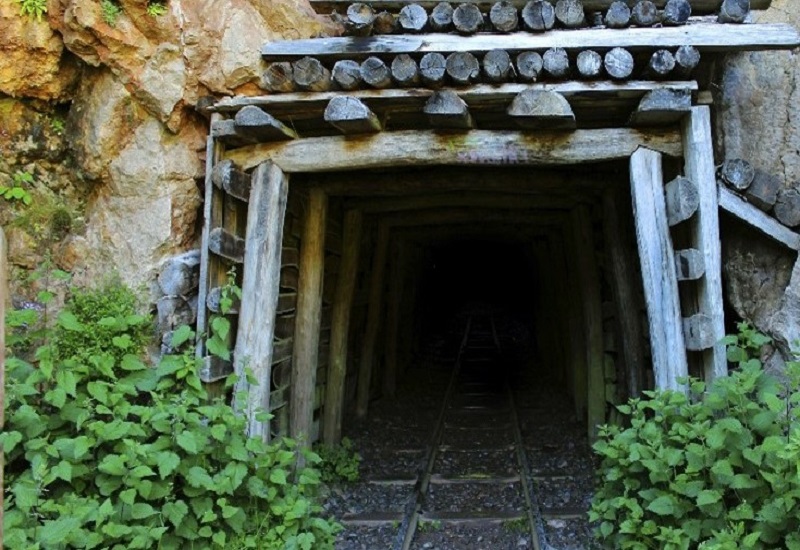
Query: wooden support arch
(308, 317)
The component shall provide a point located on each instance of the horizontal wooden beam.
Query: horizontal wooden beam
(706, 37)
(414, 148)
(698, 6)
(314, 104)
(754, 217)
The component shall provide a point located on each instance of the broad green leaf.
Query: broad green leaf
(180, 336)
(68, 321)
(663, 506)
(187, 441)
(174, 512)
(142, 510)
(128, 496)
(278, 476)
(9, 440)
(113, 465)
(198, 477)
(167, 462)
(708, 497)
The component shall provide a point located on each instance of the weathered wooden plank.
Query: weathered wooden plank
(589, 279)
(228, 177)
(626, 298)
(223, 243)
(351, 116)
(706, 37)
(661, 107)
(340, 327)
(262, 263)
(308, 317)
(689, 264)
(374, 314)
(224, 131)
(754, 217)
(314, 104)
(699, 7)
(536, 109)
(416, 148)
(700, 169)
(254, 122)
(658, 270)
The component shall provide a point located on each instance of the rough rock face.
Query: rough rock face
(758, 119)
(133, 139)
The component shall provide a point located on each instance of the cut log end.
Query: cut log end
(375, 73)
(683, 200)
(351, 116)
(540, 109)
(413, 18)
(556, 63)
(676, 12)
(441, 18)
(645, 14)
(662, 106)
(619, 63)
(504, 16)
(432, 69)
(737, 174)
(529, 66)
(278, 77)
(734, 11)
(462, 68)
(347, 74)
(590, 64)
(445, 109)
(787, 207)
(538, 16)
(309, 74)
(497, 66)
(405, 70)
(570, 13)
(467, 19)
(618, 15)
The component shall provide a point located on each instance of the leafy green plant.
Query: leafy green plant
(111, 11)
(429, 525)
(57, 125)
(156, 9)
(104, 450)
(338, 462)
(716, 468)
(32, 8)
(16, 191)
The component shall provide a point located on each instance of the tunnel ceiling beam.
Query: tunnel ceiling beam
(417, 148)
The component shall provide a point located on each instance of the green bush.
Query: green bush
(338, 462)
(106, 451)
(718, 468)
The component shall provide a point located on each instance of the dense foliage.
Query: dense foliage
(717, 467)
(338, 462)
(106, 451)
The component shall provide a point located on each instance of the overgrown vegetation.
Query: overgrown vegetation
(718, 468)
(338, 462)
(32, 8)
(104, 450)
(18, 191)
(111, 11)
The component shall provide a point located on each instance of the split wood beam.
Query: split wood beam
(589, 282)
(752, 216)
(262, 264)
(340, 327)
(541, 109)
(351, 116)
(414, 149)
(626, 299)
(706, 37)
(662, 106)
(700, 169)
(412, 99)
(374, 315)
(308, 317)
(668, 349)
(698, 6)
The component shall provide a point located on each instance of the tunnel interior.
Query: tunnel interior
(531, 246)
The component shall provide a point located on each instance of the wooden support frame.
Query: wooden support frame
(340, 327)
(749, 214)
(308, 317)
(699, 156)
(262, 262)
(658, 270)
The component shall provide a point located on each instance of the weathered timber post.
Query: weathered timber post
(699, 155)
(374, 311)
(625, 296)
(260, 283)
(4, 295)
(340, 327)
(589, 281)
(398, 259)
(308, 316)
(657, 259)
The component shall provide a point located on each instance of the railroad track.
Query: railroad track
(473, 476)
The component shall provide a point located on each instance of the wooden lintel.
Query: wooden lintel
(227, 245)
(662, 107)
(752, 216)
(351, 116)
(657, 261)
(314, 103)
(414, 148)
(706, 37)
(230, 178)
(698, 6)
(542, 109)
(254, 122)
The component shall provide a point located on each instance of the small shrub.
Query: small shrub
(156, 9)
(32, 8)
(106, 451)
(338, 462)
(17, 190)
(718, 468)
(111, 11)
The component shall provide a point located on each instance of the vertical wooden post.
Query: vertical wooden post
(393, 304)
(260, 284)
(308, 316)
(589, 280)
(699, 154)
(657, 258)
(4, 294)
(340, 326)
(374, 312)
(626, 299)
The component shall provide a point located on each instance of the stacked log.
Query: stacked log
(434, 70)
